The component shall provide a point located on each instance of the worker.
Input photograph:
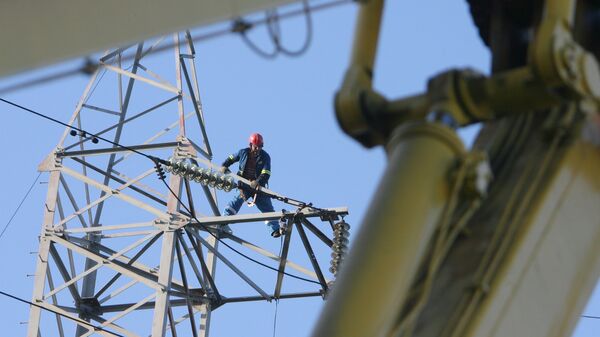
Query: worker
(255, 165)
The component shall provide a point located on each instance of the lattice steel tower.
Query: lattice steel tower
(118, 254)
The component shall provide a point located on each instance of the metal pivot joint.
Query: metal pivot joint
(356, 104)
(560, 61)
(559, 68)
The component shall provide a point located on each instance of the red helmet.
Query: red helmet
(256, 139)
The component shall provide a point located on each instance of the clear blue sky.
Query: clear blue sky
(288, 100)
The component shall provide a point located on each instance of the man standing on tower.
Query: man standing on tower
(255, 165)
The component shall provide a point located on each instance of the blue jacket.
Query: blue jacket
(263, 164)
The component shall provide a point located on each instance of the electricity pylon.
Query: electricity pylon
(135, 257)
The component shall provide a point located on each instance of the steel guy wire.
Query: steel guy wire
(157, 162)
(20, 204)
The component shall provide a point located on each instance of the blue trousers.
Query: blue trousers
(262, 202)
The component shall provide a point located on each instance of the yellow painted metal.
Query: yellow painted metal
(356, 99)
(393, 239)
(396, 236)
(558, 59)
(552, 34)
(556, 62)
(558, 66)
(513, 91)
(366, 36)
(37, 33)
(550, 270)
(560, 10)
(481, 98)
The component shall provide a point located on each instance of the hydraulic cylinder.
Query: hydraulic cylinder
(374, 282)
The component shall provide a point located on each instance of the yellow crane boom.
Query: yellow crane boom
(442, 251)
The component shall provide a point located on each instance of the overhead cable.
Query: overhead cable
(229, 246)
(272, 22)
(157, 162)
(275, 27)
(77, 320)
(85, 67)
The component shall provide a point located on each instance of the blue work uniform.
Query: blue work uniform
(261, 172)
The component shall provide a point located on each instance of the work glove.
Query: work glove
(254, 184)
(224, 169)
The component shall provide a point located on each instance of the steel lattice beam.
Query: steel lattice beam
(165, 260)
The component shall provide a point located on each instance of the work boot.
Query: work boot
(276, 233)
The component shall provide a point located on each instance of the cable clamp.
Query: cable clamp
(52, 162)
(240, 26)
(56, 230)
(176, 221)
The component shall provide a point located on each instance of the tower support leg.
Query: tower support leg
(43, 252)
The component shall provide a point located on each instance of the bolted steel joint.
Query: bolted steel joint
(570, 56)
(58, 230)
(561, 61)
(579, 70)
(89, 306)
(478, 175)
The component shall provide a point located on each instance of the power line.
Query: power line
(272, 18)
(231, 29)
(80, 321)
(588, 316)
(275, 30)
(86, 67)
(157, 162)
(230, 247)
(81, 131)
(21, 203)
